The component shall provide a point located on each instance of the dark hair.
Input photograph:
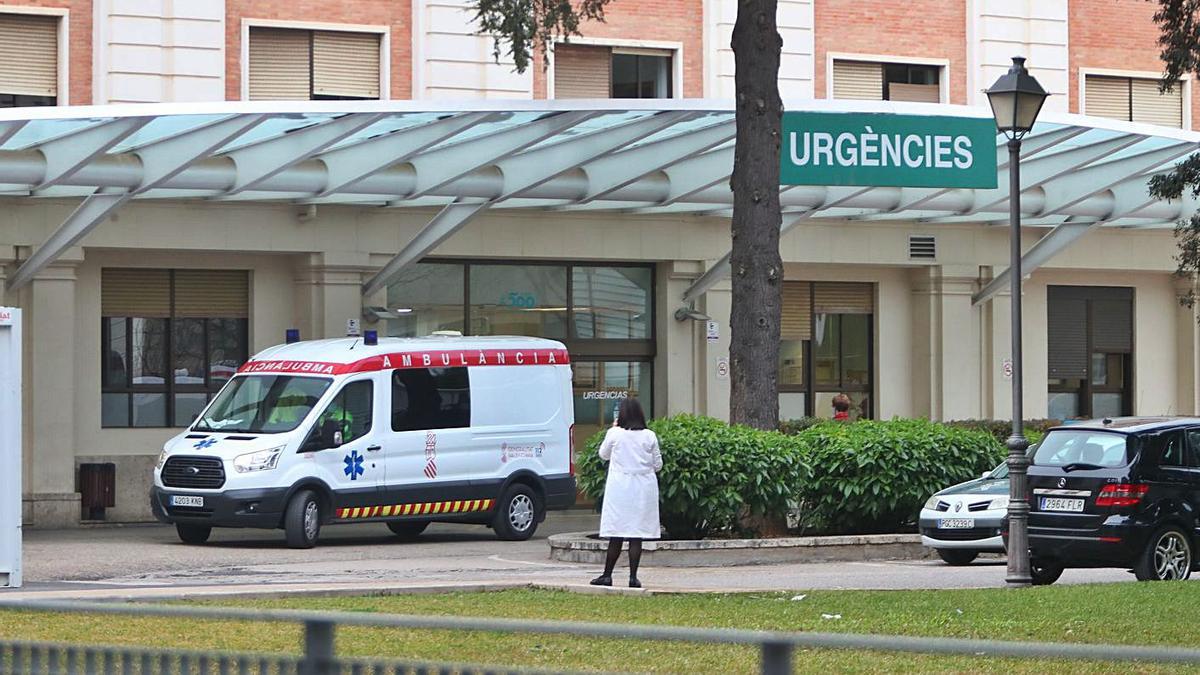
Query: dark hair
(841, 403)
(630, 415)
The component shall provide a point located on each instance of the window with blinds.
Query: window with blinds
(589, 71)
(170, 339)
(1089, 350)
(28, 60)
(1132, 100)
(866, 80)
(292, 64)
(825, 347)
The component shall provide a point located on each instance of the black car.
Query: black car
(1122, 492)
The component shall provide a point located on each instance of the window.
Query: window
(170, 339)
(1174, 450)
(292, 64)
(825, 348)
(1063, 446)
(263, 404)
(350, 410)
(866, 80)
(430, 398)
(519, 300)
(611, 302)
(1133, 99)
(1090, 351)
(28, 60)
(585, 71)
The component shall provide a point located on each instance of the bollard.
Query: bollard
(776, 658)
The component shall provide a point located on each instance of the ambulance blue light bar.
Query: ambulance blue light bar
(292, 335)
(370, 338)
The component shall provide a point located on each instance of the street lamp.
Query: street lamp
(1016, 99)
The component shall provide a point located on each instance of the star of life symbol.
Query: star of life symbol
(354, 465)
(205, 444)
(430, 455)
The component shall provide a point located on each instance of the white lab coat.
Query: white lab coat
(631, 491)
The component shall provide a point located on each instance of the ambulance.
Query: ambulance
(399, 431)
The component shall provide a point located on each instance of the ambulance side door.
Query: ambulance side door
(354, 469)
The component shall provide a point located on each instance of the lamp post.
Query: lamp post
(1016, 99)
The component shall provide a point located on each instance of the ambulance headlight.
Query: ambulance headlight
(162, 459)
(998, 503)
(262, 460)
(931, 503)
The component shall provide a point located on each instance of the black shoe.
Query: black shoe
(602, 580)
(634, 583)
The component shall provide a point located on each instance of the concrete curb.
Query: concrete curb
(580, 547)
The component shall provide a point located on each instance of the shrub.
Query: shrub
(795, 426)
(713, 474)
(873, 476)
(1002, 429)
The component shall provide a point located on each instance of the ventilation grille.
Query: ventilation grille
(922, 247)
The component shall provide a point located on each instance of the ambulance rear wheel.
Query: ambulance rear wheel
(192, 534)
(516, 513)
(302, 520)
(407, 529)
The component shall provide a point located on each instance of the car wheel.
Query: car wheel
(302, 520)
(957, 556)
(1168, 557)
(407, 529)
(192, 534)
(516, 513)
(1045, 572)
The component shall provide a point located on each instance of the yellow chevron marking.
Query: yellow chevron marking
(458, 507)
(387, 510)
(354, 512)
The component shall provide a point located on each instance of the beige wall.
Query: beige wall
(936, 354)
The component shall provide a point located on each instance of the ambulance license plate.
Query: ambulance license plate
(1060, 504)
(956, 523)
(186, 500)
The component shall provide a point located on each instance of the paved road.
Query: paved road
(149, 561)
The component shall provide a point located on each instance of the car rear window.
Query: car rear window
(1061, 447)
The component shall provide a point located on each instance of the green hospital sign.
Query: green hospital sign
(888, 150)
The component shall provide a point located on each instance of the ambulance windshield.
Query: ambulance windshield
(263, 404)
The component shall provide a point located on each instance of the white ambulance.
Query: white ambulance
(401, 431)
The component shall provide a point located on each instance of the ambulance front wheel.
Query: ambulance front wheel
(302, 520)
(516, 513)
(192, 534)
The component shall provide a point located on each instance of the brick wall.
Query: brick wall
(935, 29)
(80, 50)
(680, 21)
(393, 13)
(1117, 35)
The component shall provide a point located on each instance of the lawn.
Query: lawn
(1132, 613)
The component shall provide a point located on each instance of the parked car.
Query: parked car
(1121, 492)
(967, 519)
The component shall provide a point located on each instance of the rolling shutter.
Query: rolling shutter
(280, 64)
(143, 293)
(582, 71)
(857, 80)
(1067, 331)
(1112, 320)
(920, 93)
(1106, 97)
(345, 64)
(29, 54)
(1151, 107)
(796, 318)
(842, 298)
(216, 294)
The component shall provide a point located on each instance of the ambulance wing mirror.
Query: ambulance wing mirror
(331, 434)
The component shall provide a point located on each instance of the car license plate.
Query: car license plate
(186, 500)
(1060, 504)
(956, 523)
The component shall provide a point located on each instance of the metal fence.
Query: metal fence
(319, 658)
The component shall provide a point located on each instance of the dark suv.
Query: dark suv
(1121, 492)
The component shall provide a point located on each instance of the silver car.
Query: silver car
(965, 520)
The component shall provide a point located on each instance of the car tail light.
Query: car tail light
(571, 447)
(1121, 494)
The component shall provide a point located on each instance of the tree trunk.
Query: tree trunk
(757, 269)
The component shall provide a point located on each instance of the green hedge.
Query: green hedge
(873, 476)
(1002, 429)
(713, 474)
(861, 477)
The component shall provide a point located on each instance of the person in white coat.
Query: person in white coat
(630, 510)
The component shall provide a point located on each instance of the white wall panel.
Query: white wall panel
(795, 21)
(451, 61)
(998, 30)
(158, 51)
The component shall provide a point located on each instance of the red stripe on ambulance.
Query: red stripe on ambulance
(427, 359)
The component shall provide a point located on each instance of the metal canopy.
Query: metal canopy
(658, 157)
